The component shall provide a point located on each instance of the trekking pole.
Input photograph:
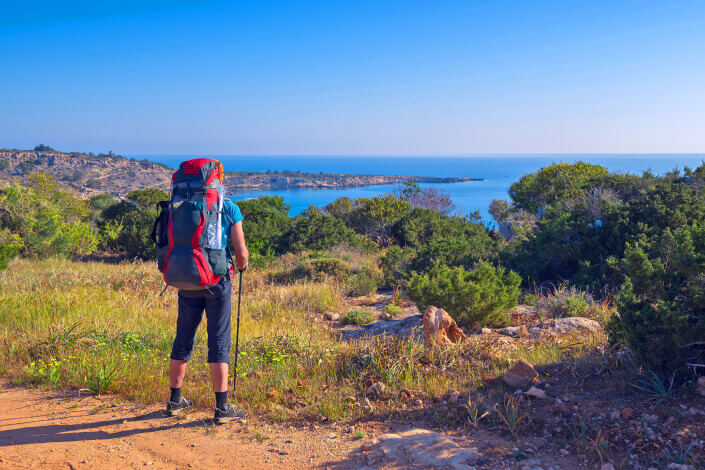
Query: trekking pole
(237, 331)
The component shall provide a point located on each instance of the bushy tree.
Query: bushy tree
(314, 230)
(127, 227)
(473, 298)
(436, 238)
(427, 198)
(148, 196)
(372, 217)
(43, 148)
(661, 307)
(555, 182)
(10, 246)
(266, 221)
(46, 219)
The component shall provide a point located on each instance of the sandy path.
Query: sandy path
(40, 429)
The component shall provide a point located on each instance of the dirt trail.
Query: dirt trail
(40, 429)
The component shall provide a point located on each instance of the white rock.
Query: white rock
(536, 393)
(376, 388)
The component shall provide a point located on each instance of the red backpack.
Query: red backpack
(192, 248)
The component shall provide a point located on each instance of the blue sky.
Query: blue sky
(356, 78)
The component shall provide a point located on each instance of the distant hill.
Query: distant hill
(91, 174)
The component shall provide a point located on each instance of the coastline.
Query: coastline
(90, 174)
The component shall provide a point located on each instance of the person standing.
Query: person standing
(215, 301)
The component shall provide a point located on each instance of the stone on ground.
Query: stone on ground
(439, 327)
(376, 388)
(536, 392)
(427, 449)
(520, 375)
(575, 325)
(331, 316)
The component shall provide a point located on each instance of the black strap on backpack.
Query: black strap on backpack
(162, 219)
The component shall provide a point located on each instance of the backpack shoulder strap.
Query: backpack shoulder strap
(227, 216)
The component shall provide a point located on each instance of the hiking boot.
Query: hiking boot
(227, 413)
(173, 408)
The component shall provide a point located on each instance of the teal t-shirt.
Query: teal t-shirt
(231, 209)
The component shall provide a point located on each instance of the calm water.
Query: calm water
(498, 171)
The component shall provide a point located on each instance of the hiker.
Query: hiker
(195, 257)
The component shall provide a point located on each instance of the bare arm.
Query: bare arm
(237, 238)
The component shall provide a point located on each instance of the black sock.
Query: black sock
(221, 399)
(175, 394)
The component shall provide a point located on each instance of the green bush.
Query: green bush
(395, 264)
(10, 246)
(473, 298)
(372, 217)
(4, 165)
(365, 281)
(45, 219)
(146, 197)
(316, 269)
(314, 230)
(661, 307)
(126, 227)
(333, 267)
(358, 317)
(266, 221)
(439, 239)
(392, 309)
(559, 181)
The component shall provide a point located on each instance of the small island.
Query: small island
(90, 174)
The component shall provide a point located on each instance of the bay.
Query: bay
(498, 173)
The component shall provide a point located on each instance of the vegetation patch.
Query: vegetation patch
(358, 317)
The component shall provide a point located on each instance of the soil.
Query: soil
(41, 429)
(44, 429)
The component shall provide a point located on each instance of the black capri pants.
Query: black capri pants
(216, 302)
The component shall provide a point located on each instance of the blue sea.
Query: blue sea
(498, 172)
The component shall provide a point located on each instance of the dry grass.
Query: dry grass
(66, 324)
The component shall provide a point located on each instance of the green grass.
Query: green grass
(393, 309)
(103, 327)
(358, 317)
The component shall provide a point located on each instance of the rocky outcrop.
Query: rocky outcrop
(575, 324)
(559, 326)
(439, 327)
(402, 328)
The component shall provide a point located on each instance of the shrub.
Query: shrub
(146, 197)
(427, 198)
(436, 238)
(372, 217)
(363, 282)
(127, 228)
(316, 269)
(661, 313)
(472, 298)
(314, 230)
(565, 301)
(395, 265)
(46, 219)
(266, 221)
(331, 266)
(4, 165)
(10, 246)
(555, 182)
(392, 309)
(358, 317)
